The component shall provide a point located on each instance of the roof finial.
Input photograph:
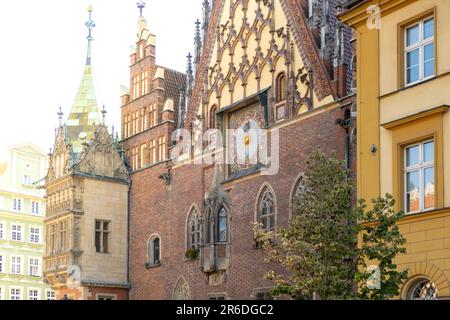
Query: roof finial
(141, 6)
(90, 24)
(104, 112)
(60, 116)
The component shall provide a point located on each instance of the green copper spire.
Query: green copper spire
(85, 113)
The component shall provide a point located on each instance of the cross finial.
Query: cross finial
(104, 112)
(90, 24)
(141, 6)
(60, 115)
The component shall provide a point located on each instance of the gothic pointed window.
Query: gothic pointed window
(154, 251)
(194, 230)
(298, 190)
(222, 225)
(280, 88)
(209, 227)
(267, 210)
(212, 117)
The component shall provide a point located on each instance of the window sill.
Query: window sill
(152, 266)
(191, 259)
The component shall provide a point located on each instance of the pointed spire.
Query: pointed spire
(104, 112)
(90, 24)
(60, 116)
(197, 45)
(189, 71)
(85, 112)
(206, 17)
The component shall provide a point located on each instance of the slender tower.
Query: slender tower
(87, 202)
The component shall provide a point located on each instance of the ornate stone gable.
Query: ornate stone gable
(101, 157)
(210, 76)
(61, 159)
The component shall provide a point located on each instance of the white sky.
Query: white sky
(43, 52)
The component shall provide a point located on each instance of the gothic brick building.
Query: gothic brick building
(281, 67)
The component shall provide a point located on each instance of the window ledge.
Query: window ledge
(152, 266)
(191, 259)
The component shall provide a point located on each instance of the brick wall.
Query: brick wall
(157, 208)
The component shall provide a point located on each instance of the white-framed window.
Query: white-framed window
(50, 295)
(2, 264)
(420, 177)
(15, 294)
(2, 293)
(35, 235)
(16, 265)
(2, 230)
(419, 51)
(17, 232)
(27, 180)
(35, 208)
(17, 205)
(34, 267)
(34, 294)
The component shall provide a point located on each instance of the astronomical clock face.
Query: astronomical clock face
(245, 136)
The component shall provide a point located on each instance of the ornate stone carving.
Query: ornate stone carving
(182, 290)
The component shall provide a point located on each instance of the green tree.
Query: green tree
(381, 243)
(318, 246)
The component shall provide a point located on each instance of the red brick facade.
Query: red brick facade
(162, 194)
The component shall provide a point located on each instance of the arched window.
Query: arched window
(267, 210)
(354, 72)
(209, 227)
(298, 189)
(154, 251)
(212, 117)
(194, 230)
(222, 225)
(280, 89)
(423, 289)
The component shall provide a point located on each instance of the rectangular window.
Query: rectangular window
(35, 235)
(17, 205)
(419, 51)
(15, 294)
(419, 177)
(34, 267)
(35, 208)
(2, 231)
(27, 180)
(50, 295)
(53, 239)
(102, 231)
(1, 293)
(62, 236)
(153, 115)
(33, 294)
(1, 265)
(16, 232)
(143, 155)
(152, 151)
(16, 265)
(162, 149)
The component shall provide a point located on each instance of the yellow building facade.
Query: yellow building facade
(403, 78)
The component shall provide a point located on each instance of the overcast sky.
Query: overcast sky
(43, 50)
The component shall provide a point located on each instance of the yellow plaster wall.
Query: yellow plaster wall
(396, 104)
